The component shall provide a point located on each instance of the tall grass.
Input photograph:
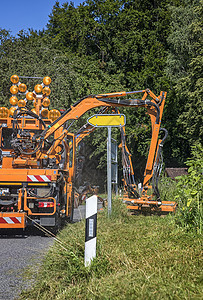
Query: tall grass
(137, 258)
(167, 188)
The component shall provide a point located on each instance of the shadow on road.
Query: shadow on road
(21, 234)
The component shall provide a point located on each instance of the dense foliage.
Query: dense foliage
(186, 190)
(113, 45)
(184, 69)
(189, 193)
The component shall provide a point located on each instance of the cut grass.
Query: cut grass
(137, 258)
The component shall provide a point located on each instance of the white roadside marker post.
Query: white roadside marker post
(90, 230)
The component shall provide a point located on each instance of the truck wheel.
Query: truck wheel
(57, 226)
(54, 229)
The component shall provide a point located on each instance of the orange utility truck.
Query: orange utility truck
(35, 177)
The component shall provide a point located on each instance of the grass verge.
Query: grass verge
(137, 258)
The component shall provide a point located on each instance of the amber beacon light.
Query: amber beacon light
(46, 102)
(38, 88)
(14, 89)
(46, 91)
(46, 80)
(45, 113)
(13, 100)
(22, 87)
(29, 96)
(54, 114)
(14, 79)
(11, 111)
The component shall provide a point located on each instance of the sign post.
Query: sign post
(108, 120)
(109, 197)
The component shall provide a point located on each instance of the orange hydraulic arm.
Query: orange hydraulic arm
(154, 107)
(90, 102)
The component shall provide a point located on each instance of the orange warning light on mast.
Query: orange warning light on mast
(14, 89)
(46, 80)
(22, 87)
(14, 79)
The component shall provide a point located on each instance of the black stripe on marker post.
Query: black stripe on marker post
(91, 228)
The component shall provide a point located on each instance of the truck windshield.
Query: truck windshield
(6, 138)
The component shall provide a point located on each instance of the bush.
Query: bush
(189, 192)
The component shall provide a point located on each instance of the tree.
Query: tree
(184, 68)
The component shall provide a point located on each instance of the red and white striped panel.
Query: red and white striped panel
(10, 220)
(38, 178)
(45, 204)
(84, 197)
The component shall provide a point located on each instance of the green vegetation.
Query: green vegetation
(184, 69)
(189, 193)
(138, 257)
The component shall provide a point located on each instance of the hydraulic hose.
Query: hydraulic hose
(129, 178)
(162, 98)
(133, 102)
(158, 165)
(30, 113)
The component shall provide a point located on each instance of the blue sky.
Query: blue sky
(16, 15)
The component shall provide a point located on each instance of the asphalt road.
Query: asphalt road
(20, 258)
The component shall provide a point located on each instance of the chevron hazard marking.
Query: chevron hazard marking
(38, 178)
(10, 220)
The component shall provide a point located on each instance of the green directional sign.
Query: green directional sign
(113, 120)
